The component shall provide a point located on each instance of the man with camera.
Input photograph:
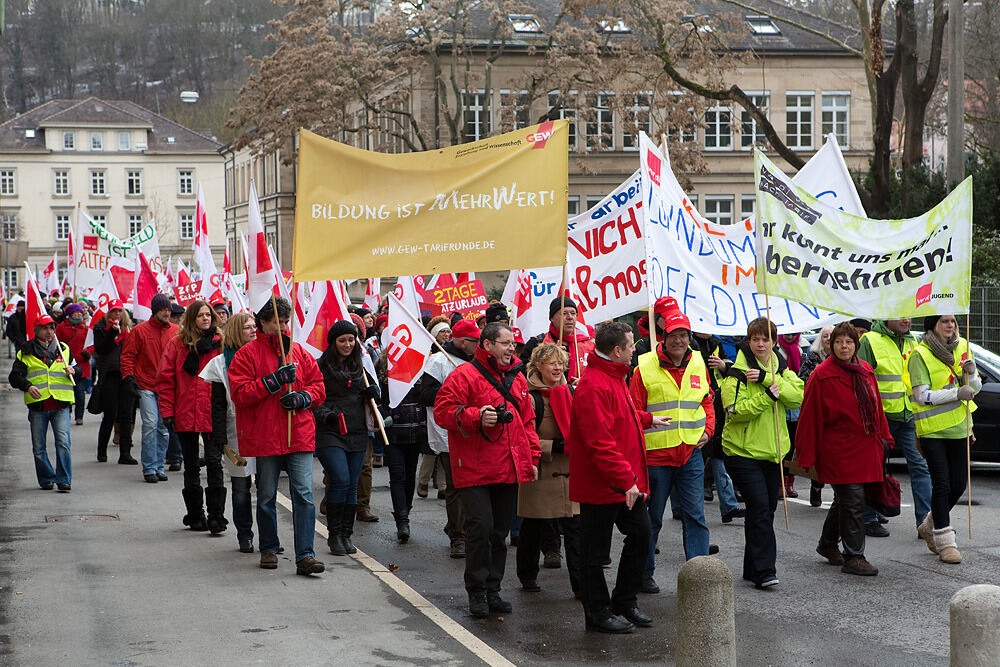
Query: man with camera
(485, 407)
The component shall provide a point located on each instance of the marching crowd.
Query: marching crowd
(552, 441)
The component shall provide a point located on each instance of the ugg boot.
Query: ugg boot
(215, 501)
(402, 526)
(195, 517)
(334, 517)
(347, 527)
(944, 542)
(926, 531)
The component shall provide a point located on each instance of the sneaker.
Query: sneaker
(530, 585)
(246, 547)
(713, 549)
(875, 529)
(309, 565)
(161, 477)
(649, 586)
(268, 561)
(737, 513)
(151, 478)
(497, 604)
(457, 549)
(552, 560)
(831, 553)
(64, 488)
(769, 582)
(174, 466)
(47, 486)
(859, 566)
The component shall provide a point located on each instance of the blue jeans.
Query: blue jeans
(154, 434)
(175, 453)
(344, 469)
(300, 473)
(920, 477)
(724, 486)
(39, 421)
(688, 481)
(242, 515)
(79, 398)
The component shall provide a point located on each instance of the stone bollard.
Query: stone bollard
(975, 626)
(706, 622)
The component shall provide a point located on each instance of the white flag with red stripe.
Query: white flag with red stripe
(261, 273)
(50, 276)
(326, 307)
(144, 289)
(372, 294)
(517, 295)
(408, 346)
(183, 274)
(35, 306)
(11, 306)
(103, 295)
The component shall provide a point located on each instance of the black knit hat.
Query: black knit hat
(930, 322)
(362, 311)
(559, 303)
(339, 329)
(497, 312)
(158, 303)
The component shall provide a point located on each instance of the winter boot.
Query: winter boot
(402, 526)
(195, 517)
(334, 517)
(326, 486)
(215, 500)
(347, 527)
(944, 542)
(790, 491)
(125, 446)
(926, 531)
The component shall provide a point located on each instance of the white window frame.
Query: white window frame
(597, 139)
(124, 141)
(8, 182)
(69, 141)
(567, 113)
(592, 201)
(97, 141)
(514, 108)
(98, 177)
(796, 133)
(762, 25)
(525, 23)
(138, 220)
(62, 221)
(573, 205)
(715, 216)
(60, 183)
(719, 129)
(10, 278)
(750, 133)
(844, 139)
(185, 183)
(133, 182)
(474, 107)
(630, 142)
(8, 226)
(745, 210)
(100, 219)
(185, 225)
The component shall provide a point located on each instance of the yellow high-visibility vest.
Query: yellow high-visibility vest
(52, 381)
(929, 419)
(891, 365)
(682, 404)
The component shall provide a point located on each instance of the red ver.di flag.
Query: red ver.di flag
(408, 345)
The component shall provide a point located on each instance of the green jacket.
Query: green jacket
(751, 429)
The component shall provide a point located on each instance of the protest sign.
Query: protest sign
(708, 268)
(98, 246)
(468, 299)
(817, 254)
(494, 204)
(185, 294)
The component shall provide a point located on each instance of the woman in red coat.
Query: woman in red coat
(843, 433)
(185, 402)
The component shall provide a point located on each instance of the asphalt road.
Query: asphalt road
(142, 590)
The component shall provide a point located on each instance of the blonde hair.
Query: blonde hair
(232, 332)
(546, 351)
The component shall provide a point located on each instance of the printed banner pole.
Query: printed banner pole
(562, 299)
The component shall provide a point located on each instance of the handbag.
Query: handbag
(884, 496)
(95, 405)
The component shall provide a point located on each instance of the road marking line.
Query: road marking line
(457, 631)
(826, 504)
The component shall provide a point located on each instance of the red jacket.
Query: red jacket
(143, 349)
(187, 398)
(606, 447)
(578, 346)
(261, 422)
(502, 454)
(830, 435)
(74, 336)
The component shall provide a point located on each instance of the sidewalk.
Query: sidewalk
(143, 590)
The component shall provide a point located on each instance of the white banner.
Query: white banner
(407, 347)
(98, 246)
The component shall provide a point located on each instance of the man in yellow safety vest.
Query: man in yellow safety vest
(42, 371)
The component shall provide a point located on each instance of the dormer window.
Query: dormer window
(525, 23)
(762, 25)
(614, 25)
(69, 141)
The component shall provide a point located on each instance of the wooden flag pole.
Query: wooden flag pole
(441, 349)
(562, 301)
(284, 358)
(374, 406)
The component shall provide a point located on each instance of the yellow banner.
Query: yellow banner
(494, 204)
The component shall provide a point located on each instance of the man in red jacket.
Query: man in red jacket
(140, 362)
(485, 407)
(265, 388)
(607, 464)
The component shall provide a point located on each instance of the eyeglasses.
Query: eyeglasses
(250, 327)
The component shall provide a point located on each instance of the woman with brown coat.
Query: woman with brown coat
(547, 498)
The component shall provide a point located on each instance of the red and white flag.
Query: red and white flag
(326, 307)
(465, 277)
(408, 293)
(35, 306)
(168, 277)
(11, 306)
(210, 279)
(183, 274)
(144, 289)
(408, 346)
(104, 294)
(227, 265)
(372, 296)
(261, 272)
(50, 276)
(517, 294)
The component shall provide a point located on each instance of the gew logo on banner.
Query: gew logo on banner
(541, 135)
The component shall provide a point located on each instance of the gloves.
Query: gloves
(969, 367)
(966, 393)
(128, 383)
(284, 375)
(558, 445)
(169, 422)
(387, 421)
(296, 400)
(371, 391)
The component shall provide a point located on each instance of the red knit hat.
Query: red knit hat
(667, 308)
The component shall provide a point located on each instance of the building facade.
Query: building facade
(124, 165)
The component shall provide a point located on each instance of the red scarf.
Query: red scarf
(561, 402)
(793, 353)
(863, 392)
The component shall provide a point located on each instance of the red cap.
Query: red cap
(667, 308)
(465, 329)
(44, 320)
(116, 304)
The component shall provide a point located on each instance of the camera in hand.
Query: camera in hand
(504, 416)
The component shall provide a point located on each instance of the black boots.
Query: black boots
(195, 517)
(102, 453)
(125, 444)
(334, 516)
(347, 527)
(215, 500)
(402, 526)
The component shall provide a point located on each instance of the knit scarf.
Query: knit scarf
(46, 352)
(863, 392)
(792, 352)
(208, 342)
(943, 350)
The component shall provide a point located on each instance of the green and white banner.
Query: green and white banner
(815, 254)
